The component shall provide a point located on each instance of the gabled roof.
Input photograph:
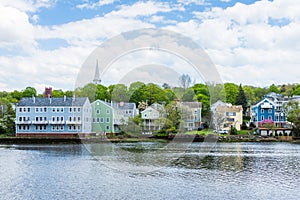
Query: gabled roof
(263, 100)
(67, 101)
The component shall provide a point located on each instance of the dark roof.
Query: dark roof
(68, 101)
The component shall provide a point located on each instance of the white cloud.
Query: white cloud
(15, 30)
(147, 8)
(196, 2)
(244, 46)
(90, 5)
(240, 40)
(28, 5)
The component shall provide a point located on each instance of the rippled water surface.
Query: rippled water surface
(150, 171)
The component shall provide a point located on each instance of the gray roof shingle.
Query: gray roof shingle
(68, 101)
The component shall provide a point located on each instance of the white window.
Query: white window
(62, 110)
(98, 111)
(262, 118)
(28, 109)
(270, 117)
(53, 110)
(41, 109)
(36, 110)
(262, 110)
(78, 109)
(269, 110)
(78, 119)
(45, 109)
(107, 111)
(107, 120)
(101, 119)
(20, 109)
(70, 109)
(24, 109)
(107, 128)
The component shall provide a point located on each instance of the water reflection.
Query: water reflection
(226, 171)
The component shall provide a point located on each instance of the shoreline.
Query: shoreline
(86, 140)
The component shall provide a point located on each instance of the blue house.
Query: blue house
(53, 116)
(269, 108)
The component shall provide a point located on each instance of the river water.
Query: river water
(133, 171)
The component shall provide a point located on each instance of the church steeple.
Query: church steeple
(97, 79)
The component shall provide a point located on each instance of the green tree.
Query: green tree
(89, 90)
(188, 95)
(136, 92)
(7, 117)
(241, 99)
(250, 95)
(292, 110)
(232, 91)
(173, 115)
(153, 93)
(119, 93)
(17, 95)
(170, 94)
(296, 90)
(29, 92)
(273, 88)
(58, 93)
(102, 92)
(260, 92)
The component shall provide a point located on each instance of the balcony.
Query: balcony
(73, 122)
(56, 122)
(23, 122)
(39, 122)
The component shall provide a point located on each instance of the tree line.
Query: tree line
(148, 93)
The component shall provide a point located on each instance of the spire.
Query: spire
(97, 79)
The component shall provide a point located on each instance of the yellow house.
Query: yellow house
(226, 115)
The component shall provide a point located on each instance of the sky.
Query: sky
(46, 42)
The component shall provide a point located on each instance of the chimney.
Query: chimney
(65, 98)
(48, 92)
(33, 98)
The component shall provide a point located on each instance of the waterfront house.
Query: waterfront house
(102, 117)
(190, 115)
(49, 116)
(226, 115)
(153, 118)
(269, 108)
(122, 111)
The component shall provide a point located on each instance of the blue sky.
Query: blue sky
(250, 42)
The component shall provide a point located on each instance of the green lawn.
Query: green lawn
(204, 132)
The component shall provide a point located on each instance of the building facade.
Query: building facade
(53, 116)
(153, 118)
(226, 115)
(269, 108)
(102, 117)
(190, 114)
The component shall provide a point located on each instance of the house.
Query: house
(122, 111)
(269, 108)
(64, 116)
(226, 115)
(190, 114)
(102, 117)
(153, 118)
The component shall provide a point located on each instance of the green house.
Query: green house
(102, 117)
